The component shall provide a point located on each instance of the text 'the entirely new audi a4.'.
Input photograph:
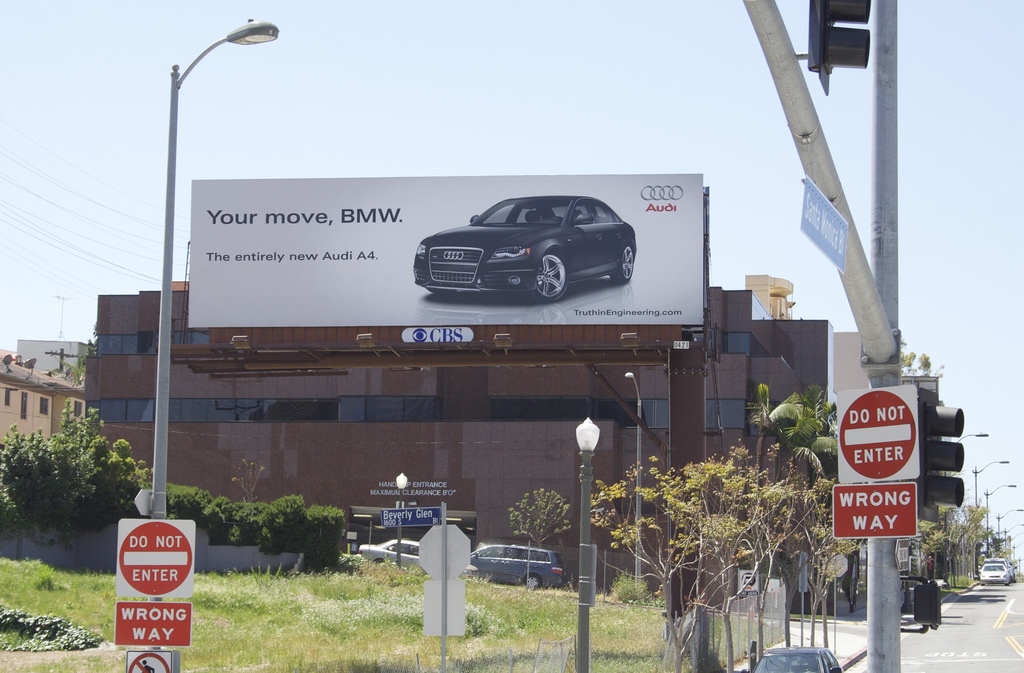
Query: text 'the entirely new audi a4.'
(536, 245)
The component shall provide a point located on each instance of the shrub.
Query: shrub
(34, 633)
(628, 589)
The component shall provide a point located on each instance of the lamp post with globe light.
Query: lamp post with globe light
(587, 434)
(401, 481)
(639, 500)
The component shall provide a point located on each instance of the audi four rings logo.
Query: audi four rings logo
(453, 254)
(660, 193)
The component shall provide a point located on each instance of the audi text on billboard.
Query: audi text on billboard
(539, 250)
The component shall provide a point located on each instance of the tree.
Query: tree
(539, 515)
(73, 480)
(806, 425)
(248, 478)
(711, 509)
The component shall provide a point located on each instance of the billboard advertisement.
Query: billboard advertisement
(522, 250)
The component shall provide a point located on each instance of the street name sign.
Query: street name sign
(155, 558)
(879, 510)
(878, 435)
(827, 229)
(410, 516)
(152, 624)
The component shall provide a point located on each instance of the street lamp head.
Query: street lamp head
(401, 481)
(629, 375)
(253, 32)
(587, 434)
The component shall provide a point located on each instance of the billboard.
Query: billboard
(521, 250)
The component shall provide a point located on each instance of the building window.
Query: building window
(24, 406)
(44, 406)
(78, 408)
(733, 414)
(7, 396)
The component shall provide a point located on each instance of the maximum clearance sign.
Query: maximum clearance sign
(878, 435)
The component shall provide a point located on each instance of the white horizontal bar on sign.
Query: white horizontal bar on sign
(879, 435)
(155, 558)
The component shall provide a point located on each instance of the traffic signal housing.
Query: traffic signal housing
(939, 456)
(830, 46)
(928, 604)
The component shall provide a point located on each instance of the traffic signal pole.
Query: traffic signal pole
(876, 319)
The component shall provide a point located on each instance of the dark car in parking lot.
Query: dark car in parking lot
(535, 245)
(513, 564)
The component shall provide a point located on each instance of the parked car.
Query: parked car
(535, 245)
(513, 564)
(1009, 566)
(798, 660)
(995, 571)
(388, 551)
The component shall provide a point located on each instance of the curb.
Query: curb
(854, 659)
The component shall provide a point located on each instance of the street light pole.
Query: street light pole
(253, 32)
(401, 481)
(587, 434)
(988, 524)
(639, 498)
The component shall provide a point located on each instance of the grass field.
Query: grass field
(331, 622)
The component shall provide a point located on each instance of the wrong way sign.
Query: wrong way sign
(874, 510)
(155, 558)
(152, 624)
(878, 435)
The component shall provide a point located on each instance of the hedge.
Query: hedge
(282, 525)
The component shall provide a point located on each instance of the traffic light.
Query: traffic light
(830, 46)
(938, 456)
(928, 604)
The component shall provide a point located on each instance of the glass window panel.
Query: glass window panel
(418, 409)
(139, 410)
(108, 344)
(504, 408)
(112, 410)
(352, 408)
(384, 409)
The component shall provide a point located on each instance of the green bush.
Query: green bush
(628, 589)
(33, 633)
(188, 503)
(285, 525)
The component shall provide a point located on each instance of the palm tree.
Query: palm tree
(806, 424)
(761, 410)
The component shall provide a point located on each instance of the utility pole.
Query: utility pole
(872, 296)
(884, 586)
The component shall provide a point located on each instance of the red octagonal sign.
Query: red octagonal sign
(155, 558)
(878, 435)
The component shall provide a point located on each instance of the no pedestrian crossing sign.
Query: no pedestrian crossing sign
(155, 558)
(878, 435)
(152, 661)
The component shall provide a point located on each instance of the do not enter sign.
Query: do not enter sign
(878, 435)
(155, 558)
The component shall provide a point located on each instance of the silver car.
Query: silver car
(388, 551)
(995, 572)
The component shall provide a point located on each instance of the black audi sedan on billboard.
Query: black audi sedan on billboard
(535, 245)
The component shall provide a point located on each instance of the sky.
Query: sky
(462, 88)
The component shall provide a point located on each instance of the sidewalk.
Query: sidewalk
(848, 644)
